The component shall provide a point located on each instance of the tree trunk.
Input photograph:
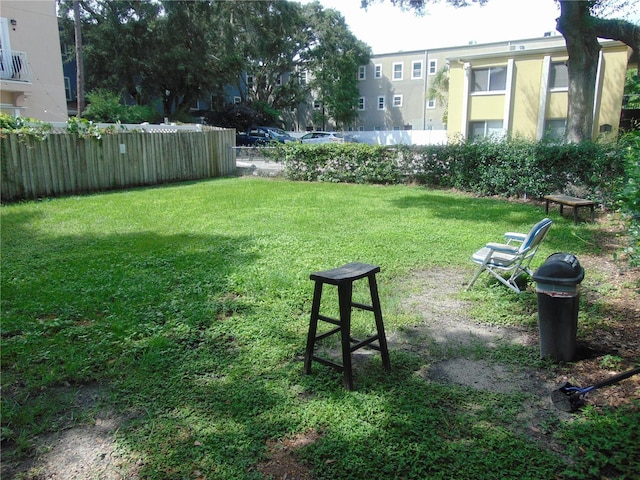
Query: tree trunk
(583, 48)
(79, 62)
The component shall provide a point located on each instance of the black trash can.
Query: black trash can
(558, 287)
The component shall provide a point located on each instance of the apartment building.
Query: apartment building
(394, 86)
(31, 80)
(517, 87)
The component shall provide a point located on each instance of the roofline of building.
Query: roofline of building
(550, 39)
(532, 51)
(471, 45)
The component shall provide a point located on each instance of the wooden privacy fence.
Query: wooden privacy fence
(64, 164)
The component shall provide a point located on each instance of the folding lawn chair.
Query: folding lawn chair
(509, 257)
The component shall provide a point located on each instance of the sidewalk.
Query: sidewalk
(260, 168)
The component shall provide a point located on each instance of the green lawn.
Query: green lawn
(190, 305)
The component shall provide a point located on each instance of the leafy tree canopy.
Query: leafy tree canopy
(182, 51)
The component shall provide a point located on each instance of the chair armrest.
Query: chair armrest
(502, 247)
(515, 237)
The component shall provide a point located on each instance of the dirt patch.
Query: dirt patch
(77, 452)
(282, 463)
(445, 319)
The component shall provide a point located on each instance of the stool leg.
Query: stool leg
(377, 312)
(345, 292)
(313, 327)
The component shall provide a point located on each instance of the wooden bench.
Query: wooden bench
(573, 202)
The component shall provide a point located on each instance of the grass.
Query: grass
(190, 303)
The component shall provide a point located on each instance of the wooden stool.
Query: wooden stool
(343, 277)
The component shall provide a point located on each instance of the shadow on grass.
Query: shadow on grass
(124, 310)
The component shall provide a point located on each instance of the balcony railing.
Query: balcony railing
(14, 66)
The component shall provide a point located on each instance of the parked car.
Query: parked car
(322, 137)
(262, 136)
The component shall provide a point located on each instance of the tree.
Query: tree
(192, 57)
(280, 40)
(270, 38)
(77, 23)
(150, 49)
(581, 31)
(439, 91)
(632, 91)
(334, 58)
(581, 27)
(118, 41)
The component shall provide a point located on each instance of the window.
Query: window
(554, 128)
(67, 88)
(317, 105)
(492, 79)
(397, 100)
(378, 71)
(362, 72)
(416, 69)
(361, 128)
(558, 76)
(279, 80)
(303, 78)
(250, 81)
(397, 71)
(433, 67)
(361, 103)
(431, 103)
(380, 103)
(485, 128)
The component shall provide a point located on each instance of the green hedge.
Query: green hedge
(349, 162)
(509, 168)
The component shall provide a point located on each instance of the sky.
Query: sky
(388, 29)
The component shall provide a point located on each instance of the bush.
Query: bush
(351, 163)
(105, 106)
(629, 196)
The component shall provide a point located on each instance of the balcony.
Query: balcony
(14, 66)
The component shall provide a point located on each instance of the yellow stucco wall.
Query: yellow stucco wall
(456, 98)
(614, 67)
(486, 107)
(526, 96)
